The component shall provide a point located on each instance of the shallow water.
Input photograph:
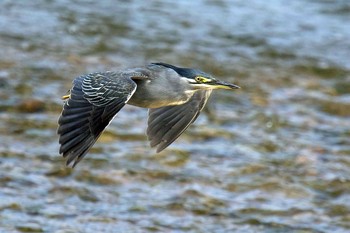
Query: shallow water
(271, 157)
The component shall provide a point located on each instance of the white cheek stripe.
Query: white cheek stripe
(188, 80)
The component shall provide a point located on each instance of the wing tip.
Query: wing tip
(72, 159)
(158, 150)
(160, 146)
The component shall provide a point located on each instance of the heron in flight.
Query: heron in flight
(174, 95)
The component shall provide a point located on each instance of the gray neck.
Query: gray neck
(164, 87)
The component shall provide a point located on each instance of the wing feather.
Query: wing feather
(166, 124)
(93, 102)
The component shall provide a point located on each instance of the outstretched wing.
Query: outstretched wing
(93, 102)
(166, 124)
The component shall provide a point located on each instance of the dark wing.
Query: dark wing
(166, 124)
(93, 102)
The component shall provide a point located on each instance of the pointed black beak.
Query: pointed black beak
(224, 85)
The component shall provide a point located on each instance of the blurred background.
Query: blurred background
(273, 156)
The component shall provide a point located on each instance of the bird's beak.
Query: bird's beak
(224, 85)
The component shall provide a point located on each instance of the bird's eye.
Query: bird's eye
(201, 79)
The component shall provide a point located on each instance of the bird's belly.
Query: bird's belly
(155, 103)
(157, 100)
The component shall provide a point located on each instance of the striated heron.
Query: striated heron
(175, 96)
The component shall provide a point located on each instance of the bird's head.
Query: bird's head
(200, 80)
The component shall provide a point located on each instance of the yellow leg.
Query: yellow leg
(66, 97)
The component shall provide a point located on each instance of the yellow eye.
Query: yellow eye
(201, 79)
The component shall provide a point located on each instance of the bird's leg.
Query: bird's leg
(65, 97)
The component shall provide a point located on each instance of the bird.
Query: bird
(174, 96)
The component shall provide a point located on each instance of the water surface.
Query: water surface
(271, 157)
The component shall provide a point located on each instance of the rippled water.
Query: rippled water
(271, 157)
